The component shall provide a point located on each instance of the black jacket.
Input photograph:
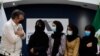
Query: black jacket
(38, 41)
(88, 51)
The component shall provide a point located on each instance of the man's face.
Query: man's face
(20, 19)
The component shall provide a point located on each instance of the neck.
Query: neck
(15, 22)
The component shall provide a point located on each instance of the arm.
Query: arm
(23, 37)
(76, 48)
(95, 41)
(63, 45)
(10, 34)
(30, 45)
(20, 28)
(49, 48)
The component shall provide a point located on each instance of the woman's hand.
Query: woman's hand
(32, 50)
(89, 44)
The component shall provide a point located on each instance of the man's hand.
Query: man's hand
(20, 32)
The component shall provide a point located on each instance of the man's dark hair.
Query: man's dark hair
(16, 13)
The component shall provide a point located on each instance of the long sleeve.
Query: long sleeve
(24, 35)
(21, 27)
(95, 41)
(30, 44)
(31, 41)
(48, 51)
(50, 47)
(63, 45)
(76, 49)
(51, 42)
(10, 34)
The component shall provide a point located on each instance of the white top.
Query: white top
(61, 47)
(11, 42)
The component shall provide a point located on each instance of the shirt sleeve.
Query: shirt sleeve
(10, 34)
(50, 47)
(24, 35)
(76, 48)
(63, 45)
(20, 26)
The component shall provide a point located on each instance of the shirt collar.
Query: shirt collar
(13, 23)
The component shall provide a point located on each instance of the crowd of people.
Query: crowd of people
(40, 44)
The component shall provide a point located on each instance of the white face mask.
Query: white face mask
(69, 32)
(53, 28)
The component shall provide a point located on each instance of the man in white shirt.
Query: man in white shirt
(13, 34)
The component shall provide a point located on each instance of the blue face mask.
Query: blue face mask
(87, 33)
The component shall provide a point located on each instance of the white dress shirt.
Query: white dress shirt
(10, 42)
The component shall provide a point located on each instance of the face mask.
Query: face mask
(21, 21)
(87, 33)
(69, 32)
(54, 29)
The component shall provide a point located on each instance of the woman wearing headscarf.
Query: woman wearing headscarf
(57, 40)
(88, 45)
(73, 41)
(39, 41)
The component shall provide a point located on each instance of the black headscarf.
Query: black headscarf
(59, 29)
(74, 34)
(92, 30)
(57, 37)
(40, 26)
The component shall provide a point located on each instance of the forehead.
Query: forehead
(21, 16)
(88, 30)
(69, 28)
(37, 23)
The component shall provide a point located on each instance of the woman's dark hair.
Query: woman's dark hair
(59, 27)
